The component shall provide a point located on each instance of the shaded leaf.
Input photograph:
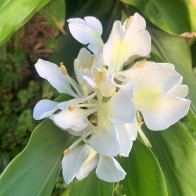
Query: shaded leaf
(175, 150)
(54, 13)
(91, 186)
(144, 175)
(171, 16)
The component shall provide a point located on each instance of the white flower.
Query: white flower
(158, 93)
(126, 42)
(119, 110)
(87, 31)
(108, 169)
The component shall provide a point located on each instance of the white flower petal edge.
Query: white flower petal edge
(106, 140)
(44, 108)
(158, 94)
(126, 42)
(53, 74)
(73, 120)
(88, 165)
(109, 170)
(87, 31)
(127, 133)
(69, 164)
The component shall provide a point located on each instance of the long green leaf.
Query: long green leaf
(35, 169)
(173, 49)
(91, 186)
(144, 175)
(176, 16)
(13, 14)
(175, 150)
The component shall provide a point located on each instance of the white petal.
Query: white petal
(179, 91)
(82, 64)
(65, 104)
(94, 23)
(53, 74)
(44, 108)
(161, 76)
(125, 139)
(102, 78)
(170, 110)
(72, 162)
(132, 127)
(89, 164)
(86, 33)
(75, 120)
(125, 44)
(109, 170)
(105, 141)
(121, 108)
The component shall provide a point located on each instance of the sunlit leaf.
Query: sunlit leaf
(13, 14)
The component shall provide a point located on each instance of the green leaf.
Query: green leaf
(54, 13)
(175, 50)
(171, 16)
(91, 186)
(144, 175)
(35, 169)
(13, 14)
(175, 150)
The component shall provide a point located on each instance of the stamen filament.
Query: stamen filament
(82, 138)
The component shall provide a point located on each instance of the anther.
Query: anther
(140, 63)
(63, 69)
(72, 107)
(66, 152)
(128, 22)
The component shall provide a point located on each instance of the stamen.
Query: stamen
(72, 107)
(71, 81)
(140, 63)
(82, 138)
(128, 22)
(63, 69)
(142, 135)
(67, 152)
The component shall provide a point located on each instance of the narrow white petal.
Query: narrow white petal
(53, 74)
(75, 120)
(94, 23)
(105, 141)
(44, 108)
(89, 164)
(72, 162)
(125, 139)
(170, 110)
(86, 33)
(109, 170)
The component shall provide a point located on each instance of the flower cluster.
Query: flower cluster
(110, 99)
